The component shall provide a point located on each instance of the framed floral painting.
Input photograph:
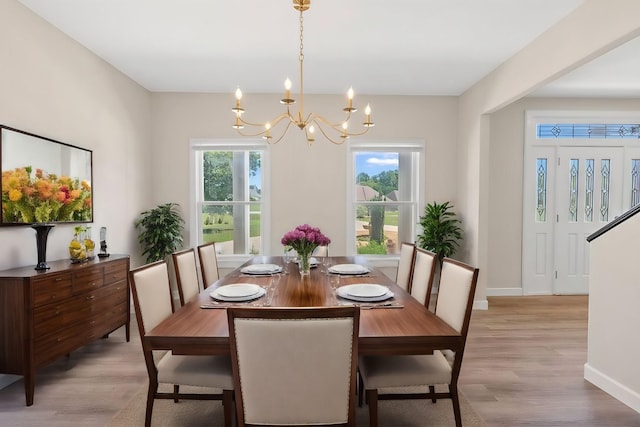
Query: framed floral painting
(44, 181)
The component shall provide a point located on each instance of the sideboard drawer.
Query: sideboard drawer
(51, 289)
(115, 272)
(87, 280)
(54, 317)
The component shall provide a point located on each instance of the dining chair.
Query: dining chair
(294, 366)
(405, 265)
(153, 303)
(396, 377)
(208, 264)
(184, 264)
(321, 251)
(423, 271)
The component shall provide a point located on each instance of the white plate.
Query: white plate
(348, 269)
(365, 290)
(261, 269)
(236, 290)
(342, 293)
(216, 295)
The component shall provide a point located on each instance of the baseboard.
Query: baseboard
(481, 304)
(6, 380)
(624, 394)
(504, 292)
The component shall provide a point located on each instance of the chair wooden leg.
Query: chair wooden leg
(360, 390)
(176, 390)
(432, 390)
(151, 395)
(227, 406)
(372, 399)
(453, 389)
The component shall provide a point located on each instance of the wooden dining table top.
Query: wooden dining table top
(411, 329)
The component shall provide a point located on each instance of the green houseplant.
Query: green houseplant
(440, 230)
(160, 231)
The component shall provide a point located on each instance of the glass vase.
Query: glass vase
(77, 249)
(304, 264)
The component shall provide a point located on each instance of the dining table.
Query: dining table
(400, 325)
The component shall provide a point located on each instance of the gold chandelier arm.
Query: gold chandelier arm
(322, 131)
(336, 126)
(286, 129)
(273, 122)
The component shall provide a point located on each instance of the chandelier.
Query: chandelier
(336, 132)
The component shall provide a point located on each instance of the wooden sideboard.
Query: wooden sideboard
(48, 314)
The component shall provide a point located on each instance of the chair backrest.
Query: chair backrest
(405, 265)
(184, 263)
(151, 292)
(455, 294)
(424, 267)
(294, 366)
(208, 264)
(321, 251)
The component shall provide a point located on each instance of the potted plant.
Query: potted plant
(440, 230)
(160, 231)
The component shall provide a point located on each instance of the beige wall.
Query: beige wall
(614, 292)
(307, 183)
(54, 87)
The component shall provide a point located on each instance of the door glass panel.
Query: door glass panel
(604, 190)
(541, 190)
(588, 191)
(635, 182)
(573, 190)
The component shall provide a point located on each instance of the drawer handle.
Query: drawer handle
(58, 279)
(90, 297)
(57, 312)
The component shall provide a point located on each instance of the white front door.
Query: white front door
(588, 190)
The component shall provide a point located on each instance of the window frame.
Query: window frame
(415, 147)
(196, 194)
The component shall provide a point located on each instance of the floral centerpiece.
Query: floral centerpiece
(43, 197)
(304, 239)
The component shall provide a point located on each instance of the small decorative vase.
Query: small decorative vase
(42, 231)
(304, 264)
(89, 244)
(77, 249)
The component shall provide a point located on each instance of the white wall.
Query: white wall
(307, 183)
(614, 292)
(54, 87)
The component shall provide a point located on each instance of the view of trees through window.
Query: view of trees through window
(231, 200)
(376, 214)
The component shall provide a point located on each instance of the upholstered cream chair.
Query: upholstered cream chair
(321, 251)
(184, 264)
(294, 366)
(208, 264)
(424, 267)
(397, 377)
(405, 265)
(153, 303)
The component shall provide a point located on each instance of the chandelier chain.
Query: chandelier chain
(301, 39)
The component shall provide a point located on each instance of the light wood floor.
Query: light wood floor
(523, 367)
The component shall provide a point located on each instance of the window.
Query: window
(385, 179)
(229, 195)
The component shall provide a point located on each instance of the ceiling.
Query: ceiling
(380, 47)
